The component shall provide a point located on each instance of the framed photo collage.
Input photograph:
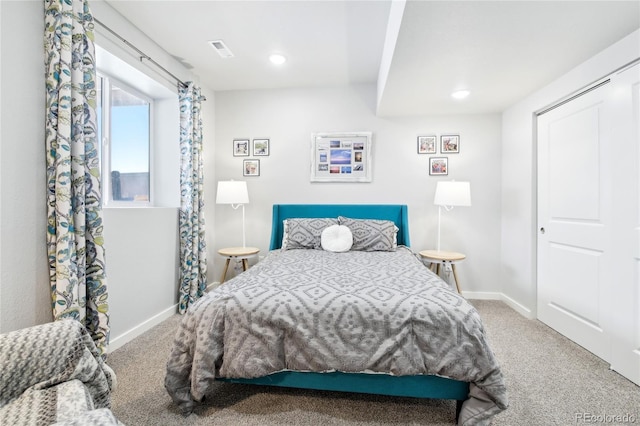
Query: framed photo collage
(449, 144)
(255, 148)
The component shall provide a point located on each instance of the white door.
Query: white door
(589, 220)
(623, 103)
(574, 162)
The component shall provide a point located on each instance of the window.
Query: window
(124, 130)
(139, 130)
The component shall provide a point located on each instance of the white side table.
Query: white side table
(243, 253)
(437, 258)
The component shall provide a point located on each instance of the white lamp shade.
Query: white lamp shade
(232, 192)
(451, 193)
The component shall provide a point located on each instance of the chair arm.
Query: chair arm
(48, 354)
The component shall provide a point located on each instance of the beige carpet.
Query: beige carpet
(551, 381)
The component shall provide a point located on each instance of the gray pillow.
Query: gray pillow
(304, 233)
(371, 234)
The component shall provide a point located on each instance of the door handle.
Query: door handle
(542, 230)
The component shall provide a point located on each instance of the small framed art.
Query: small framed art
(438, 166)
(449, 144)
(260, 147)
(427, 144)
(241, 147)
(250, 167)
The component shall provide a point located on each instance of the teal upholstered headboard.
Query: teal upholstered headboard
(396, 213)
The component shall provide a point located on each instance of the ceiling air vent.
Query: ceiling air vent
(221, 48)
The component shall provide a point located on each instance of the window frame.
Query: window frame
(106, 81)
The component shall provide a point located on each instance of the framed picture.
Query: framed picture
(438, 166)
(241, 147)
(341, 157)
(427, 144)
(260, 147)
(449, 144)
(250, 167)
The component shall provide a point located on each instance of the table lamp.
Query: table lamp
(450, 194)
(234, 193)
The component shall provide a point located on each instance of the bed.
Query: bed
(371, 321)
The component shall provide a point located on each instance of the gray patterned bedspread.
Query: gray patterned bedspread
(313, 310)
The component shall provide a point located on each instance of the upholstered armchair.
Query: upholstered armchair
(52, 374)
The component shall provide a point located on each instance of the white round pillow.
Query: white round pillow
(336, 238)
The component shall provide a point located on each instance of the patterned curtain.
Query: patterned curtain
(193, 250)
(74, 233)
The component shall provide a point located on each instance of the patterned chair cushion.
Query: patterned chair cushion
(98, 417)
(53, 373)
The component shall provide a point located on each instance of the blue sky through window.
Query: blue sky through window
(130, 138)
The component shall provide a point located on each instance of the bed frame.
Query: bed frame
(419, 386)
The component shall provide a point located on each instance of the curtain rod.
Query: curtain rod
(142, 54)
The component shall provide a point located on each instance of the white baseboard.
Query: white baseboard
(522, 310)
(482, 295)
(488, 295)
(136, 331)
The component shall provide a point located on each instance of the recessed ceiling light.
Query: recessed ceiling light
(460, 94)
(277, 59)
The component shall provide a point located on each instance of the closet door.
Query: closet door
(574, 197)
(589, 220)
(623, 102)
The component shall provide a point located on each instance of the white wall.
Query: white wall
(23, 256)
(400, 175)
(519, 230)
(209, 111)
(142, 268)
(165, 164)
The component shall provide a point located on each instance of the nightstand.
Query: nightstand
(437, 258)
(243, 253)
